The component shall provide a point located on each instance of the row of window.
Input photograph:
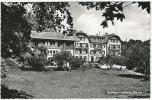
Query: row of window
(84, 45)
(115, 52)
(82, 57)
(79, 51)
(82, 38)
(97, 39)
(114, 40)
(114, 46)
(97, 46)
(97, 52)
(52, 52)
(58, 44)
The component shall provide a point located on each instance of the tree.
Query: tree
(15, 33)
(51, 15)
(64, 57)
(113, 10)
(16, 26)
(138, 56)
(61, 58)
(4, 68)
(36, 59)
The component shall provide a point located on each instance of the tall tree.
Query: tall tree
(15, 32)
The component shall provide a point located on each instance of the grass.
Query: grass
(86, 83)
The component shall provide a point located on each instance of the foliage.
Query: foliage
(137, 56)
(51, 14)
(76, 62)
(16, 26)
(118, 60)
(110, 60)
(4, 68)
(81, 33)
(15, 30)
(65, 57)
(62, 57)
(36, 59)
(113, 10)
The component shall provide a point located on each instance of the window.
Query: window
(77, 57)
(53, 51)
(84, 45)
(80, 51)
(82, 38)
(85, 58)
(117, 46)
(94, 45)
(76, 44)
(80, 57)
(59, 44)
(97, 58)
(110, 47)
(97, 46)
(91, 45)
(102, 46)
(91, 52)
(84, 52)
(103, 52)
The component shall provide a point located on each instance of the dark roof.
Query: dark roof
(104, 37)
(52, 36)
(110, 36)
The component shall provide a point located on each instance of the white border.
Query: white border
(86, 1)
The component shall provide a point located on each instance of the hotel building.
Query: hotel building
(86, 47)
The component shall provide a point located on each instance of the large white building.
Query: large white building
(92, 47)
(86, 47)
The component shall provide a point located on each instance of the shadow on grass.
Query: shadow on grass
(130, 76)
(146, 96)
(7, 93)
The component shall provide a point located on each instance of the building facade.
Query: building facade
(86, 47)
(54, 42)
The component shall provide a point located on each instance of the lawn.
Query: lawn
(86, 83)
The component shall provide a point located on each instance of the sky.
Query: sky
(135, 26)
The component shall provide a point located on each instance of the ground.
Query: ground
(84, 83)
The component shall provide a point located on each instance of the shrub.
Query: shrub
(37, 61)
(61, 58)
(64, 58)
(4, 68)
(76, 63)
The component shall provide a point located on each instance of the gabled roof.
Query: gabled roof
(110, 36)
(104, 37)
(52, 36)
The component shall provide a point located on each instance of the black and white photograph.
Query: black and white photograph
(75, 49)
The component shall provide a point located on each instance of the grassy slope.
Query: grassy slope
(90, 83)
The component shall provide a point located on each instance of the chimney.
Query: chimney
(99, 33)
(106, 34)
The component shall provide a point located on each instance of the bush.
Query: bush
(4, 68)
(76, 63)
(61, 58)
(37, 61)
(65, 60)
